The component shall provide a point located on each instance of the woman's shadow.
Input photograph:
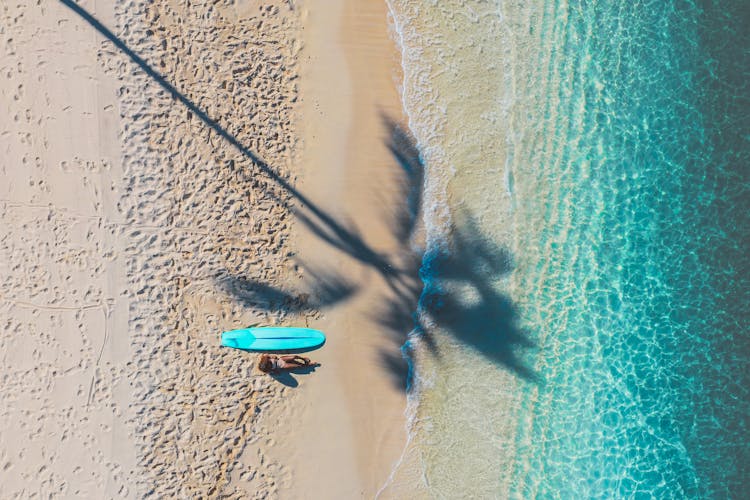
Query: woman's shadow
(285, 377)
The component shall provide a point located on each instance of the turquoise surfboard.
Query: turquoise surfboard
(273, 338)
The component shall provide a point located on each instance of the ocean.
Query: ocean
(584, 320)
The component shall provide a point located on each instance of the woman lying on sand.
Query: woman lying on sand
(271, 363)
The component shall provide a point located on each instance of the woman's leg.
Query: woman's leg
(297, 359)
(292, 364)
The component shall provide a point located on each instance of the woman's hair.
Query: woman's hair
(264, 363)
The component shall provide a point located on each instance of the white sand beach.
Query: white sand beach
(156, 161)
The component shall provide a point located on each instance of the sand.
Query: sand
(63, 307)
(356, 402)
(155, 188)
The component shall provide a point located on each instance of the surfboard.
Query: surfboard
(273, 338)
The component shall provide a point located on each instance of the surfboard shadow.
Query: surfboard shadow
(281, 351)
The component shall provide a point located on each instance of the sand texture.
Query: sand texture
(208, 236)
(163, 172)
(63, 304)
(133, 233)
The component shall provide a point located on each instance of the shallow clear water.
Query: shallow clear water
(587, 274)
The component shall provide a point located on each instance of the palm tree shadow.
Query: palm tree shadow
(473, 262)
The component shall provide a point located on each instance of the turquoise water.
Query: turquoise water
(587, 272)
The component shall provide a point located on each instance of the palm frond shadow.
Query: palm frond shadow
(327, 290)
(462, 297)
(404, 149)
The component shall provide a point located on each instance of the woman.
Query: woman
(271, 363)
